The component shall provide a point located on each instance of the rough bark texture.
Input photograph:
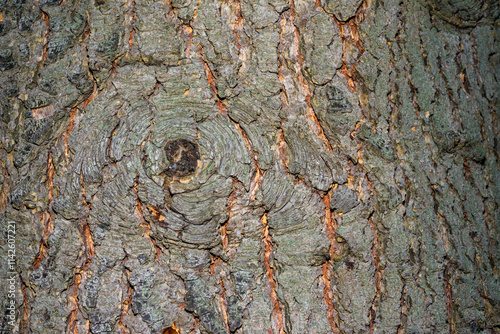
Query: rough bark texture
(251, 166)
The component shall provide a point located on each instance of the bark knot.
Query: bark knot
(182, 156)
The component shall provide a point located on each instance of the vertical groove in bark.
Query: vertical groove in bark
(330, 226)
(222, 302)
(84, 226)
(84, 260)
(449, 304)
(126, 301)
(132, 27)
(378, 274)
(25, 317)
(142, 222)
(73, 301)
(281, 149)
(403, 316)
(46, 217)
(303, 84)
(46, 19)
(268, 250)
(211, 81)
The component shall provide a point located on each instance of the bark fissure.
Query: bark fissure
(303, 84)
(211, 81)
(378, 274)
(330, 225)
(268, 250)
(132, 28)
(46, 216)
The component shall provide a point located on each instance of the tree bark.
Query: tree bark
(242, 166)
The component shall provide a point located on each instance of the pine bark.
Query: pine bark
(272, 166)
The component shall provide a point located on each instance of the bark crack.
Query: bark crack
(85, 258)
(143, 223)
(46, 19)
(268, 249)
(331, 226)
(378, 273)
(46, 216)
(211, 81)
(132, 19)
(126, 301)
(404, 309)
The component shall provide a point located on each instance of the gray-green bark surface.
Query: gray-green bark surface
(242, 166)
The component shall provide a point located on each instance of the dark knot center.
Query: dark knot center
(183, 157)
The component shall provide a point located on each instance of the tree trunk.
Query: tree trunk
(250, 166)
